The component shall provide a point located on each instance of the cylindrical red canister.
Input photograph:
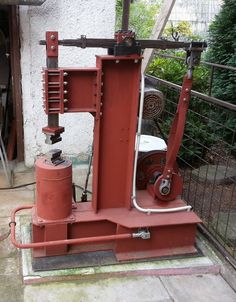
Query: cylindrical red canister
(53, 189)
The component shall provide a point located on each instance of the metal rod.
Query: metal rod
(211, 79)
(58, 242)
(202, 62)
(53, 119)
(108, 43)
(210, 99)
(125, 15)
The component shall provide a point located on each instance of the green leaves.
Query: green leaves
(142, 17)
(222, 50)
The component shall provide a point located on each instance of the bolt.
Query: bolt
(101, 83)
(65, 108)
(65, 91)
(136, 61)
(65, 83)
(169, 171)
(117, 61)
(65, 74)
(165, 190)
(100, 113)
(53, 47)
(167, 176)
(101, 104)
(187, 90)
(52, 37)
(184, 99)
(101, 93)
(65, 100)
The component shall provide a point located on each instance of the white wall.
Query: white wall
(200, 13)
(71, 18)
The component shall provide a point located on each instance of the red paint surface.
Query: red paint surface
(110, 91)
(53, 189)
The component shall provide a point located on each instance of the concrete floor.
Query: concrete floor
(198, 287)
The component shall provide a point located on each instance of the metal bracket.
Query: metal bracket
(143, 234)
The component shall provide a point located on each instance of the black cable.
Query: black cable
(81, 188)
(160, 130)
(20, 186)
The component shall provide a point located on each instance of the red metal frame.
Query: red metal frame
(110, 92)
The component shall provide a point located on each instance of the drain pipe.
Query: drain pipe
(138, 135)
(22, 2)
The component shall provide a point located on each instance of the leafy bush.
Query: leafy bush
(222, 45)
(142, 17)
(173, 70)
(197, 128)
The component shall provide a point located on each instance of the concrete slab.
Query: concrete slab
(128, 289)
(190, 265)
(215, 174)
(225, 225)
(23, 177)
(11, 289)
(198, 288)
(9, 266)
(10, 199)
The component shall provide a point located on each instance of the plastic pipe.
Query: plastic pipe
(134, 198)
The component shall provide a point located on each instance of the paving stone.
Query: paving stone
(11, 289)
(215, 174)
(199, 288)
(225, 225)
(138, 289)
(24, 177)
(10, 199)
(9, 266)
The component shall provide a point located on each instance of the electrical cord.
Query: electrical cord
(5, 236)
(33, 183)
(19, 186)
(134, 196)
(81, 188)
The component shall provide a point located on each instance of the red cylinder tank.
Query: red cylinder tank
(53, 189)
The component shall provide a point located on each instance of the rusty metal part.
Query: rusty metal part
(109, 43)
(54, 157)
(150, 165)
(52, 133)
(125, 15)
(125, 44)
(52, 62)
(154, 103)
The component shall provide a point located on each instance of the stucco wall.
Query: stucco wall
(71, 18)
(200, 13)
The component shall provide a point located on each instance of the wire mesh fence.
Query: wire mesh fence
(207, 160)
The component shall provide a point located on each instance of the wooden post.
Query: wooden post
(16, 78)
(160, 24)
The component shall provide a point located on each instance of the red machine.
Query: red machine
(150, 222)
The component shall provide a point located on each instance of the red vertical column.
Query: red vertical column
(114, 160)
